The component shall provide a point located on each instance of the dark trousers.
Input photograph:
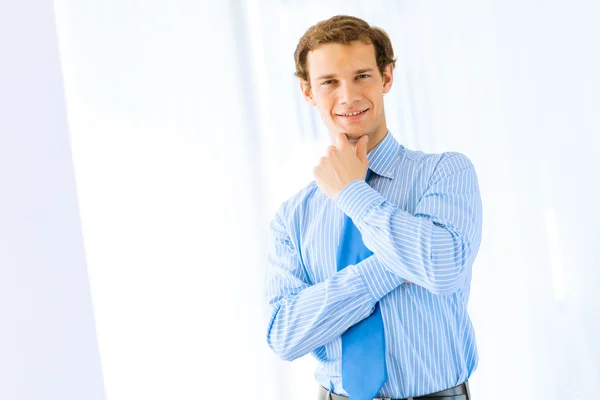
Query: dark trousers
(460, 392)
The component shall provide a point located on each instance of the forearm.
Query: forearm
(418, 250)
(315, 315)
(425, 250)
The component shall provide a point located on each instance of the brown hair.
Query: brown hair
(343, 29)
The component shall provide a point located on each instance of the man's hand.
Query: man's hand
(343, 164)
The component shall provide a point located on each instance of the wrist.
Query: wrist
(356, 198)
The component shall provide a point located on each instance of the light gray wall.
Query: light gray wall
(48, 347)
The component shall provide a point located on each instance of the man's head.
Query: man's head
(346, 66)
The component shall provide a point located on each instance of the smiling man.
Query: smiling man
(370, 264)
(347, 85)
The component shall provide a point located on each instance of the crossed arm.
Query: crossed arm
(433, 248)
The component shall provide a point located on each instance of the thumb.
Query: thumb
(361, 148)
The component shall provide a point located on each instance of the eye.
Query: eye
(363, 76)
(328, 82)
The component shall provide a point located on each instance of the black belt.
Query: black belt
(460, 390)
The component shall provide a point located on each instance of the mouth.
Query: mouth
(353, 115)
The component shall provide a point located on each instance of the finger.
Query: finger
(361, 148)
(317, 172)
(319, 168)
(331, 151)
(341, 140)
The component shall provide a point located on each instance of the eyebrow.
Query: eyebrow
(357, 72)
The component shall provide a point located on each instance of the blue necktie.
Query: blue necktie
(363, 344)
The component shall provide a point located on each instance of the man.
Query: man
(373, 277)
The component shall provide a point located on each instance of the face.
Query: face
(347, 88)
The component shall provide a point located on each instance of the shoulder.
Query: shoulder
(295, 207)
(450, 163)
(437, 165)
(449, 158)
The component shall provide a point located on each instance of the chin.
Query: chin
(353, 138)
(353, 132)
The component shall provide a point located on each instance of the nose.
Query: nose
(348, 93)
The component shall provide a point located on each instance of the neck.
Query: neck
(376, 138)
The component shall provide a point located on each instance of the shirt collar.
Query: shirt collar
(383, 158)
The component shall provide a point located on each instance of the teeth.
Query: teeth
(350, 114)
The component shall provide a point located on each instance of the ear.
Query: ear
(307, 92)
(388, 78)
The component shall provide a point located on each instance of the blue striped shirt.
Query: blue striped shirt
(420, 214)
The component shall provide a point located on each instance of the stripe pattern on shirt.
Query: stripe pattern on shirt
(420, 214)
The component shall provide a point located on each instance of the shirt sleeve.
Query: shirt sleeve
(302, 317)
(435, 247)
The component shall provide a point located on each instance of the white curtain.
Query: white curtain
(188, 130)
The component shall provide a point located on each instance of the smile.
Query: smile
(352, 114)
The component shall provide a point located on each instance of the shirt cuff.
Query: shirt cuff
(356, 198)
(378, 280)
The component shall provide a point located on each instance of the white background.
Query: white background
(187, 130)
